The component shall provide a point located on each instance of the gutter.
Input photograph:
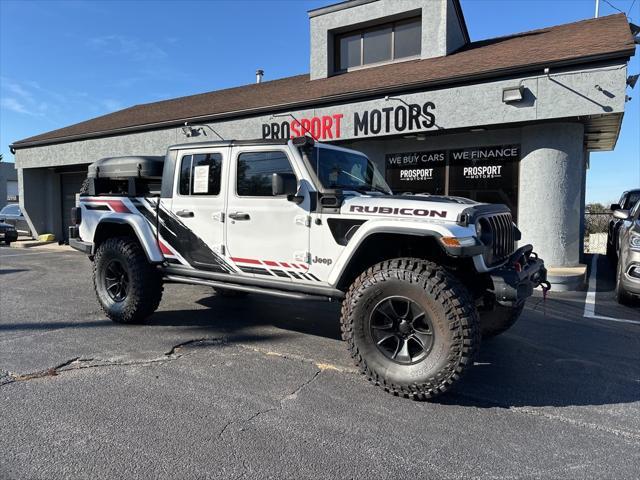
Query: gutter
(451, 81)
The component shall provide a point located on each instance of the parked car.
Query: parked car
(8, 233)
(628, 269)
(420, 278)
(627, 202)
(12, 214)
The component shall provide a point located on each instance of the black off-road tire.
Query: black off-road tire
(445, 301)
(144, 281)
(499, 319)
(227, 293)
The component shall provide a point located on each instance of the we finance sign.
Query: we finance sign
(387, 120)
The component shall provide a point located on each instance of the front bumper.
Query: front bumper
(517, 278)
(631, 283)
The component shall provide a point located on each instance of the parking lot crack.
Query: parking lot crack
(288, 397)
(79, 363)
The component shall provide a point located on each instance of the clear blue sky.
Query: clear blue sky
(62, 62)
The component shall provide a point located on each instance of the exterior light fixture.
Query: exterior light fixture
(632, 80)
(513, 94)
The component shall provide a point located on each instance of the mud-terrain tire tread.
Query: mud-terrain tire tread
(458, 304)
(498, 321)
(145, 282)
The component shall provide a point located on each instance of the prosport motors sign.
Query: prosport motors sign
(388, 120)
(469, 169)
(483, 167)
(417, 171)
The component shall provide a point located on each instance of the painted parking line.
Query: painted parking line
(590, 299)
(28, 254)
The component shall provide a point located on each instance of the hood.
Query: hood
(6, 226)
(432, 207)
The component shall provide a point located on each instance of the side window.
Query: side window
(254, 172)
(200, 174)
(185, 175)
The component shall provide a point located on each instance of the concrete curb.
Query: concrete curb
(567, 279)
(30, 243)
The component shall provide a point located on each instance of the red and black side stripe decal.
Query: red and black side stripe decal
(298, 271)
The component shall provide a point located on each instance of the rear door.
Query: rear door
(267, 236)
(195, 228)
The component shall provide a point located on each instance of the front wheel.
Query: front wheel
(411, 327)
(128, 287)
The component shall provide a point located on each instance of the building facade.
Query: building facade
(510, 120)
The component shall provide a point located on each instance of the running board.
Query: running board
(245, 288)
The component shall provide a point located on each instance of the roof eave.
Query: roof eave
(496, 73)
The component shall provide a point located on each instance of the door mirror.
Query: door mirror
(614, 207)
(621, 214)
(284, 184)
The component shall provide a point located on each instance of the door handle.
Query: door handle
(184, 213)
(239, 216)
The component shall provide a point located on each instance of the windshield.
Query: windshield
(337, 169)
(11, 209)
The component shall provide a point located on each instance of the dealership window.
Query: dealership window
(255, 171)
(484, 174)
(200, 174)
(380, 44)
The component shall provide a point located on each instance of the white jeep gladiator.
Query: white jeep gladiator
(421, 278)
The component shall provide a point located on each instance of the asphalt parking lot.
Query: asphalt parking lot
(258, 387)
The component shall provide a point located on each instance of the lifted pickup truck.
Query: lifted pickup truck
(421, 278)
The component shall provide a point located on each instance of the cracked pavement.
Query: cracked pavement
(259, 387)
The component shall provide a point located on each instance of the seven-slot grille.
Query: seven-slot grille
(503, 236)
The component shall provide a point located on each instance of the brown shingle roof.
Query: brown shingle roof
(577, 42)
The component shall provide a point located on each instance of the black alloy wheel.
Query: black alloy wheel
(116, 280)
(401, 330)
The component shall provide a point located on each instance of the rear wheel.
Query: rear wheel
(499, 319)
(128, 287)
(410, 326)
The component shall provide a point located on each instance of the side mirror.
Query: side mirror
(283, 184)
(614, 207)
(621, 214)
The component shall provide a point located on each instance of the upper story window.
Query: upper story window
(379, 44)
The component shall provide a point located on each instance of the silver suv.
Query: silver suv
(628, 249)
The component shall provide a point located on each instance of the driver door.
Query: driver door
(267, 236)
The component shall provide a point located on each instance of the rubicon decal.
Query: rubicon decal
(415, 212)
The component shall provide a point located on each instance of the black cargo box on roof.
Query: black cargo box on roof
(120, 168)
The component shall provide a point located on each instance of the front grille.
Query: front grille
(502, 235)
